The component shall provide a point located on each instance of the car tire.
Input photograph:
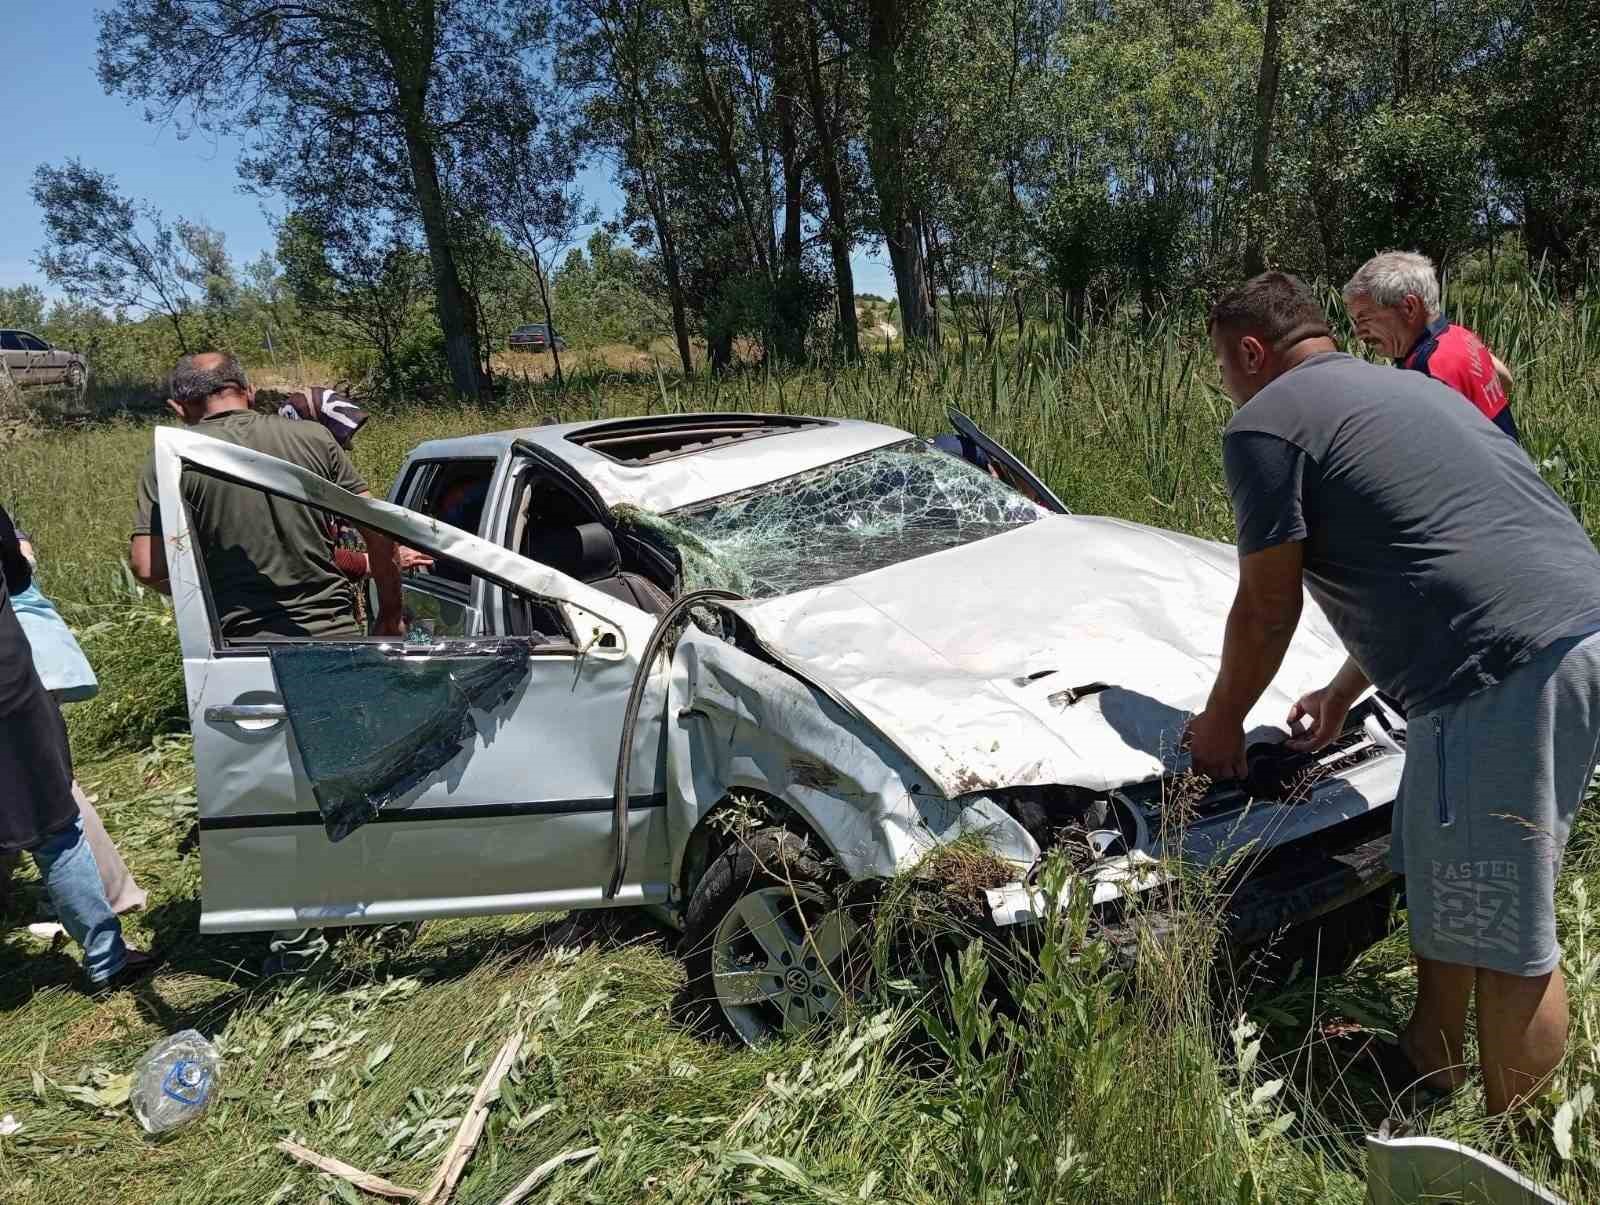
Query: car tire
(770, 944)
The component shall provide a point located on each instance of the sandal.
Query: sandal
(1399, 1074)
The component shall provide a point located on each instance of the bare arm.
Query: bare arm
(386, 576)
(1261, 623)
(148, 560)
(1501, 372)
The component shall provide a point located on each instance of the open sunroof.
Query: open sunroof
(647, 440)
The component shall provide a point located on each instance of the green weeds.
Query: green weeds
(1058, 1069)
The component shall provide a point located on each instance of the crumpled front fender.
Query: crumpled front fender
(736, 722)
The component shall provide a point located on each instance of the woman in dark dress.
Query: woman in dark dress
(37, 811)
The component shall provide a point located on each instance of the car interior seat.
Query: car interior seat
(589, 553)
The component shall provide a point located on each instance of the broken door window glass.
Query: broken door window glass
(373, 721)
(890, 505)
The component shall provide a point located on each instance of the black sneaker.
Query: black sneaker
(138, 965)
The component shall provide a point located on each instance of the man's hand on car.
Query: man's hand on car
(1316, 719)
(1216, 745)
(1324, 711)
(408, 559)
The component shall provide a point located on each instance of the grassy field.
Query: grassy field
(1114, 1085)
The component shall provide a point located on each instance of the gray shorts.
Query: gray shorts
(1491, 786)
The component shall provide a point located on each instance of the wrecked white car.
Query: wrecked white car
(886, 647)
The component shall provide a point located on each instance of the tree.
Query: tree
(206, 265)
(1157, 95)
(601, 290)
(1255, 253)
(1382, 128)
(370, 280)
(617, 58)
(360, 104)
(111, 250)
(23, 306)
(1543, 131)
(885, 36)
(523, 183)
(829, 92)
(989, 86)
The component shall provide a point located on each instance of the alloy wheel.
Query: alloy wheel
(782, 961)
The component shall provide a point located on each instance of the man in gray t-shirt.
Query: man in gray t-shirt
(1461, 585)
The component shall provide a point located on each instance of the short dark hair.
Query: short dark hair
(191, 383)
(1275, 307)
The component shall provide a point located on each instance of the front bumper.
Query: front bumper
(1316, 857)
(1300, 892)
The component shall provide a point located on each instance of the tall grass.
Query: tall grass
(1122, 420)
(1091, 1081)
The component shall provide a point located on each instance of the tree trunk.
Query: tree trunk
(930, 256)
(719, 351)
(1255, 251)
(910, 280)
(481, 336)
(837, 223)
(887, 139)
(720, 110)
(669, 261)
(791, 313)
(177, 329)
(937, 256)
(549, 318)
(409, 49)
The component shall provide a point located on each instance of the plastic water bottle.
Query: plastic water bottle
(175, 1081)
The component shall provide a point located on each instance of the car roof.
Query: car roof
(776, 447)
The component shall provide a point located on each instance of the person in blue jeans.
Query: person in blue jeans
(38, 814)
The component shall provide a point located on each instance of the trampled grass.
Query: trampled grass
(1106, 1085)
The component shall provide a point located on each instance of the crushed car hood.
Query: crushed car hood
(1068, 651)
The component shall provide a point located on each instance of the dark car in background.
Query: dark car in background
(534, 337)
(29, 360)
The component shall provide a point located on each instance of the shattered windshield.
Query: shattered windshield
(890, 505)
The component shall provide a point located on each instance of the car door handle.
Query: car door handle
(233, 713)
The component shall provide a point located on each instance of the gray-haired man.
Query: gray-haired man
(1394, 300)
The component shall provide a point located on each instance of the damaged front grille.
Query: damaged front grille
(1092, 825)
(1277, 774)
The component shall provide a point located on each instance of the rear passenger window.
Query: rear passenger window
(454, 492)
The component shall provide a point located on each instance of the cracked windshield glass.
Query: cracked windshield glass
(888, 506)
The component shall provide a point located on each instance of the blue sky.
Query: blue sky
(56, 109)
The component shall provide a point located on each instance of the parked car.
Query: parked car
(32, 361)
(891, 648)
(534, 337)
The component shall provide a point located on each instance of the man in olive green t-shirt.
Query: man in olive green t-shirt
(269, 561)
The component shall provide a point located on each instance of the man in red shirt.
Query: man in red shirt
(1394, 300)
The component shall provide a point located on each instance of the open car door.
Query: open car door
(372, 780)
(1006, 466)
